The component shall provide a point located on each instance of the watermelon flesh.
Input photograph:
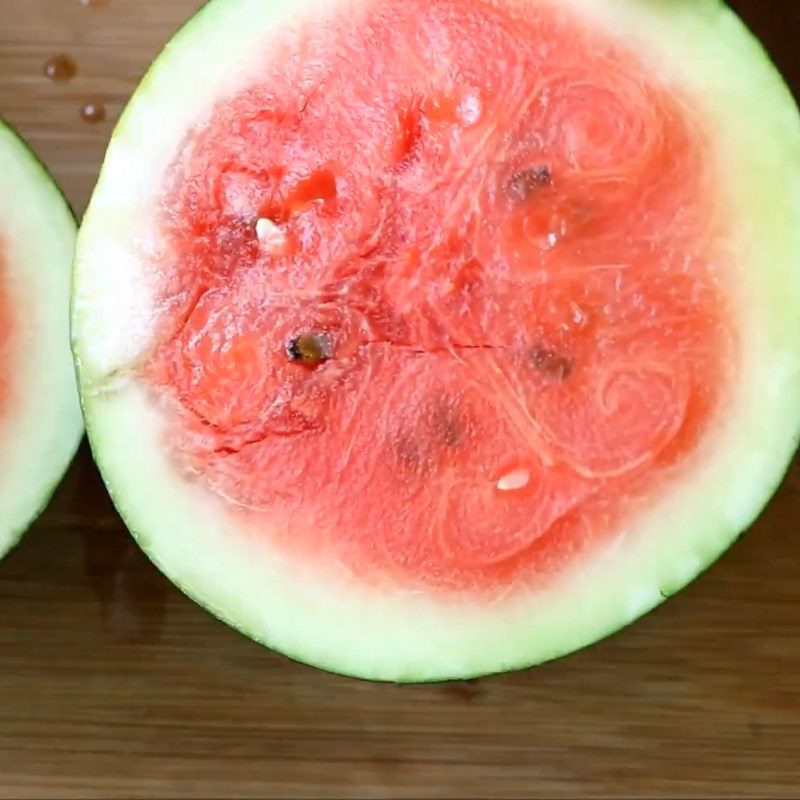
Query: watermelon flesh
(432, 339)
(508, 238)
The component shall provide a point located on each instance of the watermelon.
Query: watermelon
(424, 339)
(40, 418)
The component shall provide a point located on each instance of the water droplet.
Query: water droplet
(93, 113)
(131, 595)
(465, 691)
(95, 5)
(60, 68)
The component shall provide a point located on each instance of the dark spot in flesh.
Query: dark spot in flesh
(447, 425)
(413, 455)
(550, 364)
(310, 348)
(425, 438)
(524, 184)
(407, 452)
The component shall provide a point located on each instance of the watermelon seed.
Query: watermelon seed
(524, 184)
(514, 481)
(550, 364)
(310, 348)
(269, 233)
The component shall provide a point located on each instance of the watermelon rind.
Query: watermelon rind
(40, 421)
(698, 46)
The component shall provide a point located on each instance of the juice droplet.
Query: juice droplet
(60, 68)
(93, 113)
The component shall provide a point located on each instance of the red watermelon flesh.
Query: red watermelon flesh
(503, 238)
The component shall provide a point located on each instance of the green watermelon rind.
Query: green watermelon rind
(778, 127)
(65, 435)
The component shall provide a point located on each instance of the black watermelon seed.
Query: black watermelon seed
(310, 348)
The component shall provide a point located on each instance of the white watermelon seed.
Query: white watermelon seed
(269, 233)
(514, 481)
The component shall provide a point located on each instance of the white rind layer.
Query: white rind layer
(41, 426)
(698, 46)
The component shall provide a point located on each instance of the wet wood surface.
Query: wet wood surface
(114, 685)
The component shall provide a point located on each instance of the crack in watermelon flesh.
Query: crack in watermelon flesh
(506, 229)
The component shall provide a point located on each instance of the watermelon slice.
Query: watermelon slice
(424, 339)
(40, 418)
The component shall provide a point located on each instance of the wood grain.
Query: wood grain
(112, 684)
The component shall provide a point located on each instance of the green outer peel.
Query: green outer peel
(42, 427)
(327, 620)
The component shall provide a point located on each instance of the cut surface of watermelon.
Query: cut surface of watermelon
(40, 418)
(430, 339)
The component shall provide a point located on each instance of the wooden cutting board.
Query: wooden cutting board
(113, 684)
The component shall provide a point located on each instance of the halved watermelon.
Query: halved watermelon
(40, 418)
(423, 339)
